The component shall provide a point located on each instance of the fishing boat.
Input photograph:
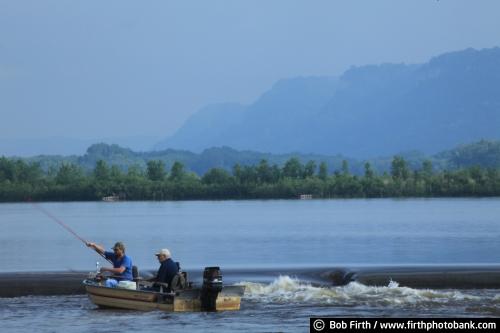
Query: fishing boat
(111, 198)
(180, 296)
(211, 296)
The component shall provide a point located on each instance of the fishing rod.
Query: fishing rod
(62, 224)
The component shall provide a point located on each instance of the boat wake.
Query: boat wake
(286, 289)
(422, 282)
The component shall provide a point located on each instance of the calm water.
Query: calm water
(255, 234)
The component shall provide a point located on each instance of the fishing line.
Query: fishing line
(62, 224)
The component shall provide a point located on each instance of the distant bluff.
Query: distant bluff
(368, 111)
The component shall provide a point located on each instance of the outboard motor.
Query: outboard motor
(212, 286)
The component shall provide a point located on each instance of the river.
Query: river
(268, 235)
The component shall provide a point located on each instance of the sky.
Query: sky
(95, 69)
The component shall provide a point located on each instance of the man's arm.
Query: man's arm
(98, 248)
(118, 270)
(156, 278)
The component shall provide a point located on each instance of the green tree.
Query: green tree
(275, 174)
(237, 172)
(115, 173)
(368, 170)
(177, 171)
(249, 175)
(293, 168)
(427, 168)
(29, 172)
(399, 168)
(134, 172)
(264, 172)
(18, 171)
(309, 169)
(156, 170)
(323, 171)
(6, 169)
(101, 171)
(216, 176)
(68, 173)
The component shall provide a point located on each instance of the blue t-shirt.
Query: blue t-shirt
(125, 261)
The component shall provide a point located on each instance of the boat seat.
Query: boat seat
(135, 274)
(179, 281)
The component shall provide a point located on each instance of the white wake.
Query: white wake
(290, 290)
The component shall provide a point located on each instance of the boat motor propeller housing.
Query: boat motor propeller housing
(212, 286)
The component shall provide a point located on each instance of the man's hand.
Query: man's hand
(96, 247)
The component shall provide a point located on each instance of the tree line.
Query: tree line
(22, 181)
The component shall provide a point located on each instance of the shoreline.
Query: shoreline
(260, 199)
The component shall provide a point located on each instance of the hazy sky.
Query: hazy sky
(93, 69)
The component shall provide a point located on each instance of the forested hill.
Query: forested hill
(265, 179)
(367, 112)
(482, 153)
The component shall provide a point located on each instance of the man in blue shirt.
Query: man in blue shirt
(122, 264)
(168, 268)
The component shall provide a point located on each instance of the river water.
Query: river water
(263, 235)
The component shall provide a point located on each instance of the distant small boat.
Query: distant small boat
(305, 196)
(111, 198)
(211, 296)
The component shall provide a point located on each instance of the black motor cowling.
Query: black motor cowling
(212, 286)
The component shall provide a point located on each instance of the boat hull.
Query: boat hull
(186, 300)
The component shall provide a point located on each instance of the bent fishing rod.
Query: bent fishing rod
(62, 224)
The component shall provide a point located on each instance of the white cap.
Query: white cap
(165, 252)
